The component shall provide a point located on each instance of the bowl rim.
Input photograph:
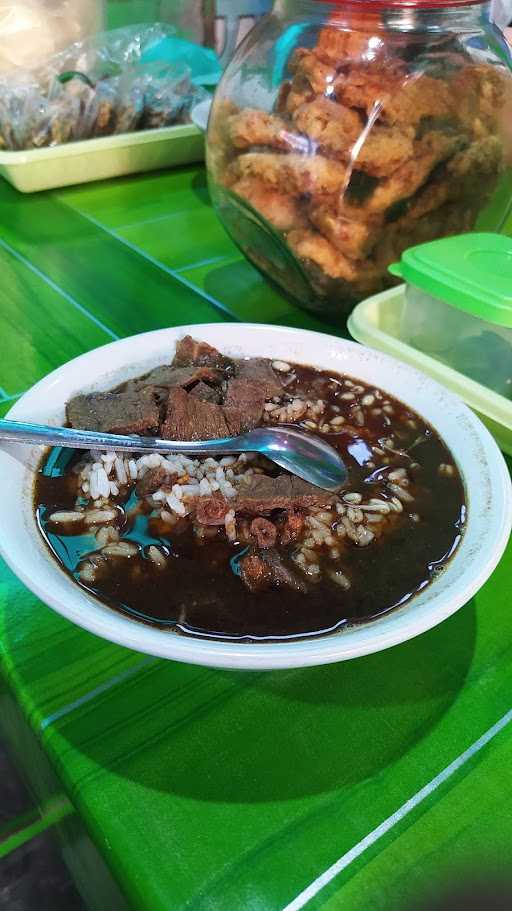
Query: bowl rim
(397, 626)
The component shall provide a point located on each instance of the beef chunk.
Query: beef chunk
(236, 421)
(261, 570)
(282, 574)
(264, 531)
(152, 481)
(115, 412)
(212, 510)
(259, 372)
(255, 573)
(206, 393)
(246, 393)
(189, 418)
(191, 353)
(260, 494)
(244, 403)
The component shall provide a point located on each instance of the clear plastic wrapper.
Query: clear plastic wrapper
(117, 82)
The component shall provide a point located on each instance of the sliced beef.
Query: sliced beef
(164, 378)
(191, 353)
(261, 570)
(115, 412)
(260, 494)
(254, 382)
(244, 403)
(189, 418)
(212, 510)
(182, 376)
(206, 393)
(259, 372)
(264, 531)
(152, 481)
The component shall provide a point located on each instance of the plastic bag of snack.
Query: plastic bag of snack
(116, 82)
(168, 95)
(130, 108)
(22, 111)
(100, 115)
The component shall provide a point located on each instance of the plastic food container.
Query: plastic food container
(458, 305)
(98, 159)
(344, 132)
(384, 322)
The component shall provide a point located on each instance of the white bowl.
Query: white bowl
(485, 476)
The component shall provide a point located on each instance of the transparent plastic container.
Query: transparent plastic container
(458, 306)
(480, 349)
(344, 132)
(376, 322)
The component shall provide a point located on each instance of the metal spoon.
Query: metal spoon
(300, 453)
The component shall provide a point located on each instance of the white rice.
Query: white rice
(100, 516)
(104, 475)
(64, 517)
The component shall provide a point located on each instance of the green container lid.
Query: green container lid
(472, 272)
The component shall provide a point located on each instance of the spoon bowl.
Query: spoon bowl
(302, 454)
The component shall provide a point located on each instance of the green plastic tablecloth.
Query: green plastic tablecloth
(372, 784)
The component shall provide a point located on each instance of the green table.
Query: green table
(359, 786)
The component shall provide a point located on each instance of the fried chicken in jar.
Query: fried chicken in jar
(280, 209)
(362, 42)
(255, 128)
(369, 145)
(354, 239)
(312, 246)
(331, 127)
(294, 173)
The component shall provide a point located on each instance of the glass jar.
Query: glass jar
(344, 132)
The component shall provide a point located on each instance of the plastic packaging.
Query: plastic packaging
(118, 82)
(343, 132)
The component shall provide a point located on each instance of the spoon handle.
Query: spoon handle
(21, 432)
